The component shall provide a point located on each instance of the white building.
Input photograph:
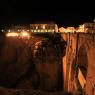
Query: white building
(43, 27)
(87, 28)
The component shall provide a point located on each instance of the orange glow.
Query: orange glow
(25, 34)
(70, 29)
(81, 79)
(61, 29)
(12, 34)
(66, 30)
(43, 26)
(81, 28)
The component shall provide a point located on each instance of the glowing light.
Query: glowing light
(27, 30)
(38, 30)
(94, 20)
(42, 31)
(12, 34)
(25, 34)
(34, 31)
(9, 30)
(49, 30)
(43, 26)
(2, 30)
(36, 27)
(62, 29)
(66, 30)
(45, 30)
(53, 30)
(31, 30)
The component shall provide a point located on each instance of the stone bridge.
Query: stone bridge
(79, 63)
(78, 66)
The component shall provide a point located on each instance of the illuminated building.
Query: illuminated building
(43, 28)
(84, 28)
(88, 27)
(18, 28)
(62, 29)
(18, 31)
(66, 30)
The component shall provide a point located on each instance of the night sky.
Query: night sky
(64, 13)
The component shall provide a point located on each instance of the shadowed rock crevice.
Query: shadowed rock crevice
(16, 62)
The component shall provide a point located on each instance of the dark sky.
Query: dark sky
(64, 13)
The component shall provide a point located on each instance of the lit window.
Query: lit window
(43, 26)
(36, 27)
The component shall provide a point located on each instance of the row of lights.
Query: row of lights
(12, 30)
(20, 35)
(32, 30)
(38, 30)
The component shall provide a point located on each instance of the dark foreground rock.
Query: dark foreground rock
(4, 91)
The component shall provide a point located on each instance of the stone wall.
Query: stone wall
(79, 55)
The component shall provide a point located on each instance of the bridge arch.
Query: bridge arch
(83, 60)
(78, 70)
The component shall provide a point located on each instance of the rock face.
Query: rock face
(23, 65)
(16, 62)
(4, 91)
(48, 54)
